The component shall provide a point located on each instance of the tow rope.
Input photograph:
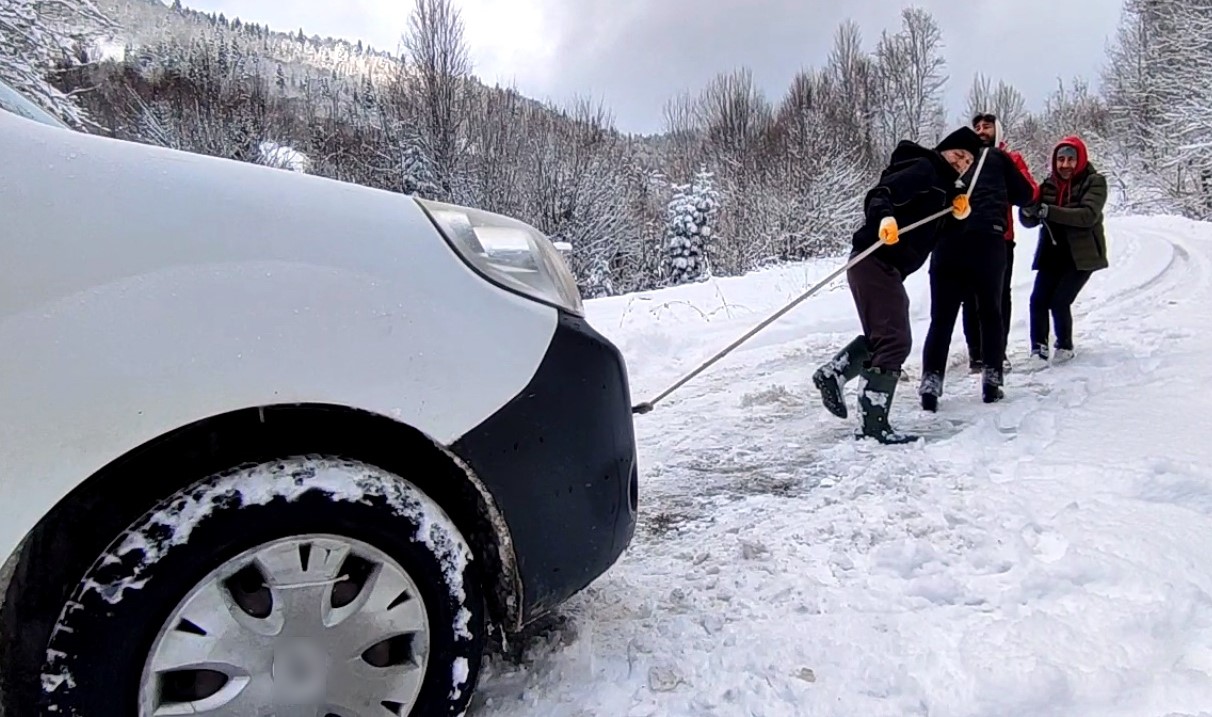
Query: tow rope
(647, 406)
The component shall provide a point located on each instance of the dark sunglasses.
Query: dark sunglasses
(990, 118)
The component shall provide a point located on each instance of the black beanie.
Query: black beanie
(962, 138)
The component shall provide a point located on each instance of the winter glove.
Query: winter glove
(1030, 212)
(1042, 211)
(960, 209)
(889, 233)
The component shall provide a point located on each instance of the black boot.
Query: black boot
(831, 378)
(931, 389)
(876, 390)
(1039, 352)
(991, 385)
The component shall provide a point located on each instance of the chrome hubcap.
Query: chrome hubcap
(321, 626)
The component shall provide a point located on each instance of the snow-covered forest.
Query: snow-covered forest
(738, 180)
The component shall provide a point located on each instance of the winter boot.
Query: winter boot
(831, 378)
(1040, 352)
(876, 390)
(975, 365)
(991, 385)
(931, 389)
(1062, 355)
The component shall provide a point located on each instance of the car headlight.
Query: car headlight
(508, 252)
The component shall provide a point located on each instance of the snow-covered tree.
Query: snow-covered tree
(850, 99)
(689, 232)
(272, 154)
(37, 35)
(1158, 88)
(910, 75)
(1003, 100)
(417, 173)
(1139, 79)
(439, 70)
(1186, 121)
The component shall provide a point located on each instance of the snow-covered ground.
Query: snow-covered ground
(1047, 555)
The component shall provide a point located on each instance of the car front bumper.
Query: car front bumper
(560, 461)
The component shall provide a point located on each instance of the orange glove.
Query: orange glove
(960, 209)
(889, 234)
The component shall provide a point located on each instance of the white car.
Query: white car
(273, 444)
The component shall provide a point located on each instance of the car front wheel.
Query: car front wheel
(308, 586)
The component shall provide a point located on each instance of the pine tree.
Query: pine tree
(417, 172)
(599, 282)
(689, 232)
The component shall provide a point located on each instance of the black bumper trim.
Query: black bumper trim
(560, 461)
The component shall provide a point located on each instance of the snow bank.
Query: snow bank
(283, 157)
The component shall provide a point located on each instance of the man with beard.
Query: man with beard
(989, 127)
(970, 260)
(1071, 244)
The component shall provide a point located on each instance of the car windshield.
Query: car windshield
(17, 103)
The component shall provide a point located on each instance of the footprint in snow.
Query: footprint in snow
(1049, 546)
(775, 394)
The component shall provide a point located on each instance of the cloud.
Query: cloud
(636, 54)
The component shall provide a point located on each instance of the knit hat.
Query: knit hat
(962, 138)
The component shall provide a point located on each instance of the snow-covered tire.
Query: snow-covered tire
(248, 575)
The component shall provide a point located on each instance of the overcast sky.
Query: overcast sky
(635, 54)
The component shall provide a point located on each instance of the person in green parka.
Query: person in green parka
(1071, 245)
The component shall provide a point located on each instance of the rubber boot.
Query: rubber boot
(991, 385)
(831, 378)
(877, 388)
(931, 389)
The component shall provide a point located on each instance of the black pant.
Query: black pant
(1055, 292)
(972, 321)
(950, 284)
(883, 309)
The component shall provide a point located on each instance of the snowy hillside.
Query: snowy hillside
(143, 23)
(1048, 555)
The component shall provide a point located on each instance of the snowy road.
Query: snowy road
(1049, 555)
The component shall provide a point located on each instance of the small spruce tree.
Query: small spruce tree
(690, 229)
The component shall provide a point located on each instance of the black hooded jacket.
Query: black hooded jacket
(999, 186)
(917, 183)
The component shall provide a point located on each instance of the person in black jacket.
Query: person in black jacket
(989, 127)
(970, 260)
(917, 183)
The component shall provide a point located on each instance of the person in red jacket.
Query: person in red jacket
(989, 127)
(970, 259)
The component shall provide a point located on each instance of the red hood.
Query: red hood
(1082, 156)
